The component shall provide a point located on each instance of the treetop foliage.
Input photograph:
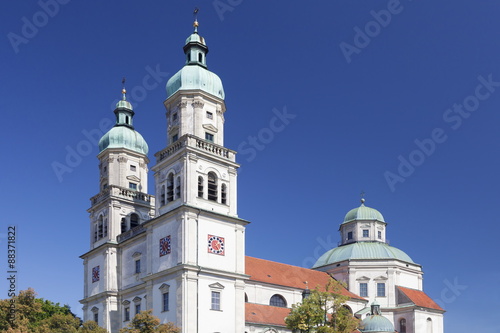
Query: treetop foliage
(323, 312)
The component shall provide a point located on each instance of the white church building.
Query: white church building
(181, 252)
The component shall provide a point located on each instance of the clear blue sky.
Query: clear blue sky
(357, 114)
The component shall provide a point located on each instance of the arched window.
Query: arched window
(100, 229)
(162, 195)
(95, 232)
(278, 300)
(126, 120)
(200, 187)
(246, 298)
(347, 308)
(123, 225)
(105, 227)
(178, 188)
(189, 57)
(212, 186)
(429, 325)
(223, 194)
(200, 57)
(170, 187)
(402, 325)
(134, 220)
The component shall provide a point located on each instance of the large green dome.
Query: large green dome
(361, 250)
(192, 77)
(363, 213)
(124, 137)
(376, 324)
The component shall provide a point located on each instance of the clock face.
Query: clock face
(216, 245)
(95, 274)
(165, 246)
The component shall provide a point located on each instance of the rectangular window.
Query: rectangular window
(174, 117)
(349, 235)
(132, 186)
(138, 266)
(126, 314)
(137, 308)
(96, 317)
(165, 301)
(215, 300)
(363, 289)
(175, 137)
(380, 289)
(209, 137)
(133, 168)
(210, 115)
(366, 233)
(380, 235)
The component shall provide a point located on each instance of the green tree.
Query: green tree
(91, 326)
(323, 312)
(59, 323)
(25, 313)
(145, 322)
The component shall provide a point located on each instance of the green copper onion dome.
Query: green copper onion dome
(123, 135)
(195, 75)
(363, 213)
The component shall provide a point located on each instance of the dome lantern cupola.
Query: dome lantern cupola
(195, 48)
(363, 224)
(376, 323)
(123, 135)
(124, 112)
(195, 75)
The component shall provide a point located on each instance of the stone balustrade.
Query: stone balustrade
(131, 233)
(192, 141)
(121, 192)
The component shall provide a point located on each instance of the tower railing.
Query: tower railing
(130, 233)
(192, 141)
(123, 193)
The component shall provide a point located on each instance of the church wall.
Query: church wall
(130, 299)
(409, 280)
(157, 300)
(130, 253)
(408, 315)
(428, 322)
(225, 261)
(217, 321)
(97, 260)
(164, 232)
(261, 294)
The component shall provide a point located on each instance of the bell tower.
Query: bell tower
(119, 209)
(196, 205)
(205, 176)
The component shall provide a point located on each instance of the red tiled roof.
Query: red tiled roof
(419, 298)
(287, 275)
(265, 314)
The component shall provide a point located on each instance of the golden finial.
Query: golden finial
(124, 91)
(195, 24)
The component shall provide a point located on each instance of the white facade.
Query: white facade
(181, 252)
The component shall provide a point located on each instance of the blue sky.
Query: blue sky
(400, 100)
